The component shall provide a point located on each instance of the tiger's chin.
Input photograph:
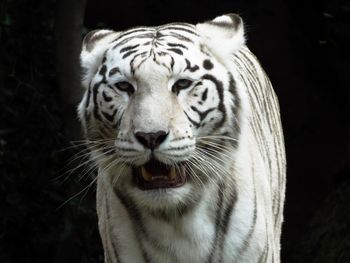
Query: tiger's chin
(157, 175)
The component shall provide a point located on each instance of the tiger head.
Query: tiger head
(161, 107)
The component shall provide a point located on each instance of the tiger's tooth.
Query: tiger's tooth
(172, 174)
(146, 175)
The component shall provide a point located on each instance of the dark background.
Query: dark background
(304, 47)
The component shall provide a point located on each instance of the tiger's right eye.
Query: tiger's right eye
(125, 86)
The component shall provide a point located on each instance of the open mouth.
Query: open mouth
(157, 175)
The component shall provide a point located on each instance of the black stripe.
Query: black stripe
(205, 95)
(140, 230)
(196, 124)
(233, 90)
(219, 205)
(126, 40)
(179, 29)
(220, 89)
(249, 236)
(95, 88)
(176, 45)
(180, 37)
(118, 123)
(189, 67)
(247, 78)
(128, 48)
(103, 71)
(205, 50)
(140, 64)
(106, 97)
(172, 63)
(131, 31)
(88, 96)
(113, 71)
(236, 107)
(176, 50)
(129, 53)
(184, 24)
(132, 67)
(263, 255)
(94, 96)
(278, 192)
(109, 117)
(226, 222)
(135, 217)
(253, 75)
(202, 115)
(267, 245)
(162, 53)
(158, 35)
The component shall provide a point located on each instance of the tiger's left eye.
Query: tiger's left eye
(180, 85)
(125, 86)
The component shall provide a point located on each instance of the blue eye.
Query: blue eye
(125, 86)
(180, 85)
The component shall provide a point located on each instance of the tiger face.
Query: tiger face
(160, 105)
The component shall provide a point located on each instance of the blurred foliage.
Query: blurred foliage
(34, 225)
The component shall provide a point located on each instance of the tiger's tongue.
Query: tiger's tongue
(154, 170)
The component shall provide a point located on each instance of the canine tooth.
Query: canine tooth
(172, 174)
(146, 175)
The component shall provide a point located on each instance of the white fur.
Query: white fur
(189, 237)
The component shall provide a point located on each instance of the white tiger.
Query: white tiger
(184, 127)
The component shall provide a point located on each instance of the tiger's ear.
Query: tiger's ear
(223, 35)
(94, 46)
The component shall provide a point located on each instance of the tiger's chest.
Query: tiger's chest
(198, 235)
(133, 235)
(188, 240)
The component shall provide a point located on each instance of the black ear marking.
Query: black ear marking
(235, 22)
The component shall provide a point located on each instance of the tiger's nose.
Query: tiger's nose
(151, 140)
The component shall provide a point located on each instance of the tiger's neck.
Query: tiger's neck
(130, 234)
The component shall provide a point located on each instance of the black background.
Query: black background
(303, 46)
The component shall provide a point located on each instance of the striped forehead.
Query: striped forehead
(157, 43)
(177, 32)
